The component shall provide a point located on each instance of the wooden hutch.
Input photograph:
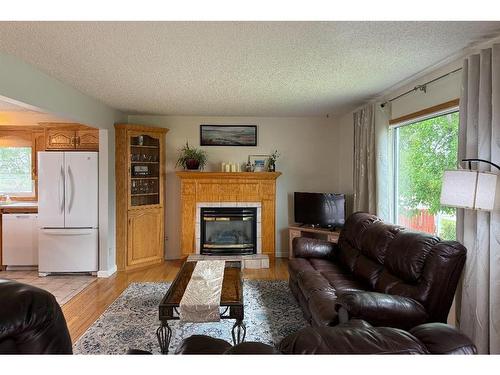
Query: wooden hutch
(140, 186)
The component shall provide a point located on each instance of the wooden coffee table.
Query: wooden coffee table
(231, 302)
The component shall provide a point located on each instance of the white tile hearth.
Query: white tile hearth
(255, 261)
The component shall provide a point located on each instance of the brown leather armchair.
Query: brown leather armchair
(353, 337)
(31, 321)
(378, 272)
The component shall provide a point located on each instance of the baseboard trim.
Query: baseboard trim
(281, 254)
(107, 273)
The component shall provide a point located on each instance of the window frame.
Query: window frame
(407, 120)
(19, 194)
(22, 138)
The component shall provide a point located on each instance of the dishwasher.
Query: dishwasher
(19, 240)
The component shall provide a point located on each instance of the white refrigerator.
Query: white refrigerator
(67, 212)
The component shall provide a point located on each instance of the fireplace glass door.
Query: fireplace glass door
(227, 231)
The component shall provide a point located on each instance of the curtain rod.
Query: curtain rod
(422, 87)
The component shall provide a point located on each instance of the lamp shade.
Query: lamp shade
(486, 191)
(469, 189)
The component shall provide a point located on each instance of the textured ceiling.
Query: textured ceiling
(236, 68)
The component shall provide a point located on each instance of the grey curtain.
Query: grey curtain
(478, 299)
(365, 196)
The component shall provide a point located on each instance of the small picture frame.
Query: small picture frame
(259, 163)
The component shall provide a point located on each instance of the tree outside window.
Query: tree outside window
(15, 171)
(424, 150)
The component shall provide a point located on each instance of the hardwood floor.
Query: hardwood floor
(86, 307)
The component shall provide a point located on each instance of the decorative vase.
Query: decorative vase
(272, 167)
(192, 164)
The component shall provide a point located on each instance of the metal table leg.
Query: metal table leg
(239, 332)
(164, 334)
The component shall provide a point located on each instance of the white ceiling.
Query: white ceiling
(236, 68)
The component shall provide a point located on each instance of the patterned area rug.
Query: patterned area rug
(271, 313)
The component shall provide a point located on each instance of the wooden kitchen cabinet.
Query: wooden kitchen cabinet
(64, 137)
(57, 139)
(87, 140)
(140, 186)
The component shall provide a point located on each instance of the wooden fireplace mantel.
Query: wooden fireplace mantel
(229, 175)
(199, 187)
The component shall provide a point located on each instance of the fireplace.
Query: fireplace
(228, 230)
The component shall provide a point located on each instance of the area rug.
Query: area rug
(271, 313)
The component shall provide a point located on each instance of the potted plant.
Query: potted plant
(272, 161)
(191, 158)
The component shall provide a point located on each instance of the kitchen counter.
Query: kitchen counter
(19, 207)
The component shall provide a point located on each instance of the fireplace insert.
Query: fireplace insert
(228, 230)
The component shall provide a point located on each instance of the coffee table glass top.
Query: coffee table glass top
(232, 288)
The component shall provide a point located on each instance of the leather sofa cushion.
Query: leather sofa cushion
(348, 255)
(367, 270)
(322, 308)
(311, 282)
(343, 283)
(323, 265)
(440, 338)
(376, 239)
(298, 265)
(294, 287)
(196, 344)
(252, 347)
(354, 227)
(312, 248)
(406, 254)
(351, 338)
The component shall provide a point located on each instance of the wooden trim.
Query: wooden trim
(425, 112)
(141, 128)
(21, 127)
(230, 175)
(65, 126)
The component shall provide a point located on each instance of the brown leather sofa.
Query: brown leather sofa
(378, 272)
(31, 321)
(353, 337)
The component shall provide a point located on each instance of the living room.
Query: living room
(328, 107)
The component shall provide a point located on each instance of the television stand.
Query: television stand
(296, 230)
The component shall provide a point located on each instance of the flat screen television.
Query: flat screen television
(319, 209)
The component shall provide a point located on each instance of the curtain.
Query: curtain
(384, 163)
(365, 198)
(478, 298)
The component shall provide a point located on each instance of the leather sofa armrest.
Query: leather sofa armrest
(383, 310)
(304, 247)
(441, 338)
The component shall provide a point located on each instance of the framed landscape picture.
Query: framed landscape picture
(228, 135)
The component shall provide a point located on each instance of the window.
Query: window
(15, 171)
(423, 149)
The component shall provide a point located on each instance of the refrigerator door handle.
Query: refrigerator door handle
(72, 191)
(67, 232)
(62, 196)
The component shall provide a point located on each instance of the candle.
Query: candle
(223, 167)
(233, 167)
(228, 168)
